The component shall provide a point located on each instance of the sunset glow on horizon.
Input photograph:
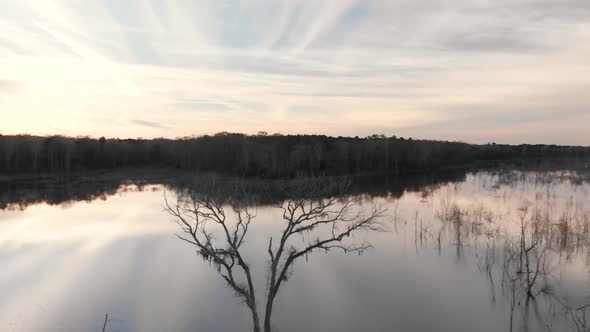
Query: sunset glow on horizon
(476, 71)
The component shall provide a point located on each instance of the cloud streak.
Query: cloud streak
(149, 124)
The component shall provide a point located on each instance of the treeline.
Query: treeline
(266, 156)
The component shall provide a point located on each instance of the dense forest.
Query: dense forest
(264, 156)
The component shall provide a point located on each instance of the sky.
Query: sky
(505, 71)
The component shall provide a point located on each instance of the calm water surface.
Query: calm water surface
(449, 262)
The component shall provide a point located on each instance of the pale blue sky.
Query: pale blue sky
(478, 71)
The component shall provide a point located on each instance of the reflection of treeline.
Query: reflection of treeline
(261, 155)
(272, 191)
(19, 194)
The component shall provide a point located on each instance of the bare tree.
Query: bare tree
(310, 225)
(305, 217)
(195, 214)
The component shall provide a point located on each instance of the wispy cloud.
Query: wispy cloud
(149, 124)
(302, 108)
(202, 106)
(9, 86)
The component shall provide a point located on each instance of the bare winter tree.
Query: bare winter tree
(326, 223)
(198, 216)
(309, 225)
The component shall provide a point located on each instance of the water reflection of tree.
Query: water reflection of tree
(324, 224)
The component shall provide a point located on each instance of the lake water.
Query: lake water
(450, 261)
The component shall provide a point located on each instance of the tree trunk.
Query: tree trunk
(268, 312)
(255, 320)
(252, 299)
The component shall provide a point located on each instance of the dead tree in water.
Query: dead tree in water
(324, 224)
(195, 214)
(305, 217)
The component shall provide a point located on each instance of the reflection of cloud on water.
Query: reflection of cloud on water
(90, 225)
